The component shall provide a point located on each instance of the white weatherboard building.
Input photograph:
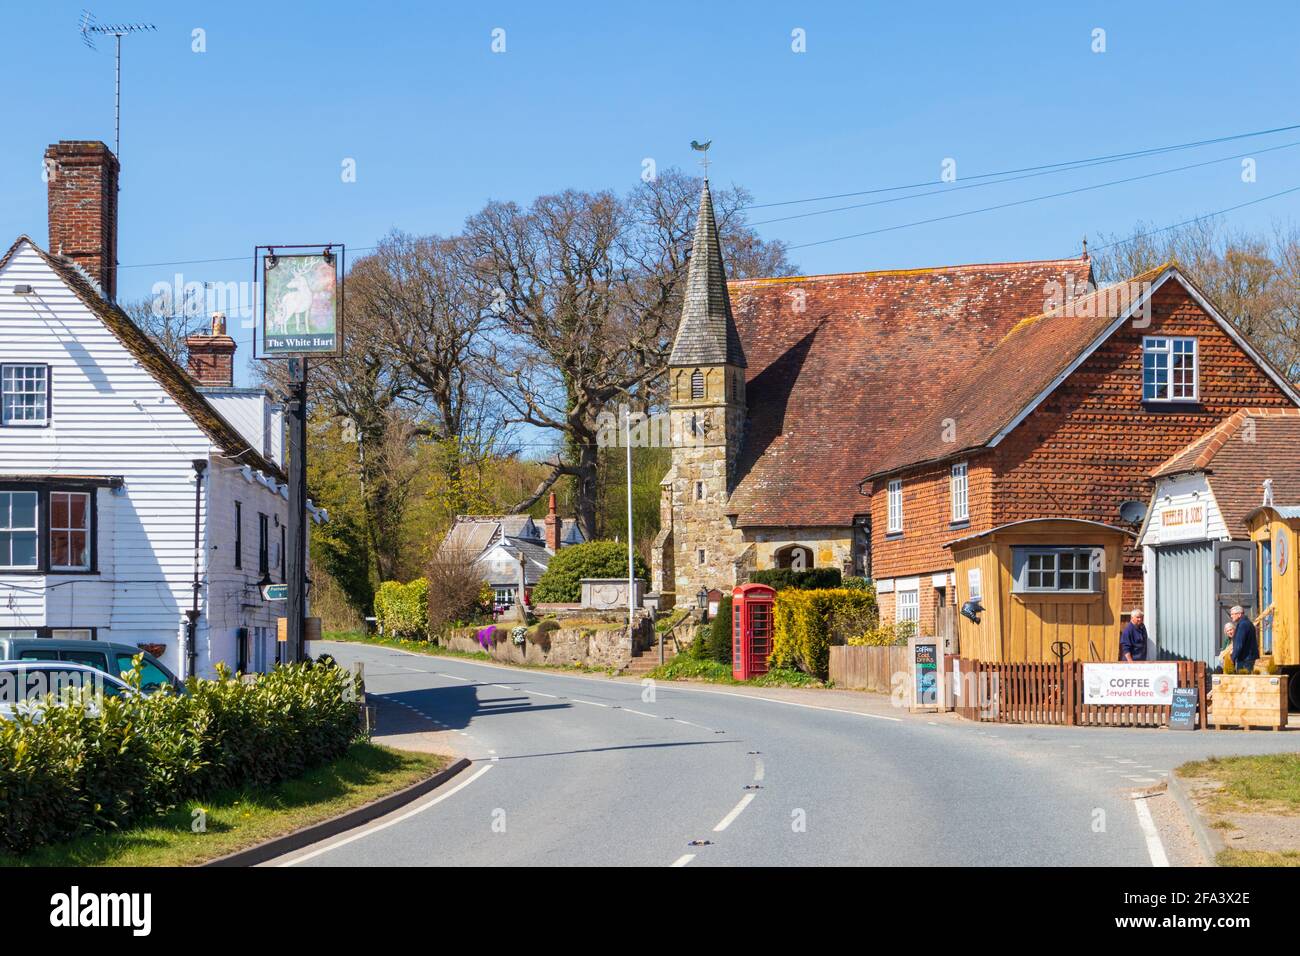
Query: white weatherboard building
(130, 498)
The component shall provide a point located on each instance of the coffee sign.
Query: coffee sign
(1130, 683)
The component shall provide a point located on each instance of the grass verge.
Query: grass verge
(437, 650)
(685, 667)
(1269, 783)
(236, 819)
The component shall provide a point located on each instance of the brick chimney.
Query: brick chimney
(212, 357)
(82, 177)
(553, 526)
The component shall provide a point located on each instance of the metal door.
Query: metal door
(1185, 603)
(1235, 573)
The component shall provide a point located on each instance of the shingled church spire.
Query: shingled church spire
(707, 332)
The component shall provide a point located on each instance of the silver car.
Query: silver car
(27, 686)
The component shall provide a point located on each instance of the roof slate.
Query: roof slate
(707, 333)
(841, 365)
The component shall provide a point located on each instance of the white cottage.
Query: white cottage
(139, 503)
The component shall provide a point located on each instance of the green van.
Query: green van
(106, 656)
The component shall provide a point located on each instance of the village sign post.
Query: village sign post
(302, 317)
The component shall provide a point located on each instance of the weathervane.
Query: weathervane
(704, 160)
(118, 30)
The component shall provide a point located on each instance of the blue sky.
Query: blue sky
(244, 143)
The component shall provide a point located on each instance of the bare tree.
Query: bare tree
(168, 329)
(586, 288)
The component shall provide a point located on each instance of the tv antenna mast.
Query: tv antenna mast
(89, 29)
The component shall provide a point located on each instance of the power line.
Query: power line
(1017, 202)
(1201, 218)
(1010, 179)
(1112, 157)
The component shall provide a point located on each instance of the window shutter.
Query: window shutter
(1019, 562)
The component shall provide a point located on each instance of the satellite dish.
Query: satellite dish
(1133, 512)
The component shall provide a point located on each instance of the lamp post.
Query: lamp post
(702, 602)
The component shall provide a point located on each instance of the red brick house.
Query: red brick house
(1063, 416)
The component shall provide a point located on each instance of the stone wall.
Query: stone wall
(591, 641)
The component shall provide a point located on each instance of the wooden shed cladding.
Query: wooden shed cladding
(1275, 533)
(1021, 623)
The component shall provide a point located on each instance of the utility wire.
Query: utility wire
(1201, 218)
(1112, 157)
(1020, 202)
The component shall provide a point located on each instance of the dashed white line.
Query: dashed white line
(640, 713)
(759, 770)
(684, 859)
(1155, 849)
(538, 693)
(591, 702)
(730, 818)
(367, 831)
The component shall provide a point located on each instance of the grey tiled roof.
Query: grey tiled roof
(707, 333)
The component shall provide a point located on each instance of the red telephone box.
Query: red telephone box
(751, 629)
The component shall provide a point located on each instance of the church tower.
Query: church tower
(697, 544)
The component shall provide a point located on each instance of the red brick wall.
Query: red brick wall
(1085, 450)
(927, 525)
(82, 186)
(211, 359)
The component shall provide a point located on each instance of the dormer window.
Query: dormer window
(1170, 369)
(697, 384)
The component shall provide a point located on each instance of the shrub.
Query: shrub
(84, 765)
(885, 635)
(540, 633)
(810, 580)
(457, 591)
(402, 610)
(803, 622)
(857, 584)
(561, 584)
(719, 646)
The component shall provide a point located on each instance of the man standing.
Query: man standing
(1133, 639)
(1245, 642)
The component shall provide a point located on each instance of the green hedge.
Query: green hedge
(402, 610)
(720, 632)
(84, 766)
(804, 621)
(811, 580)
(562, 582)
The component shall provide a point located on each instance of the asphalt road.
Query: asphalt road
(573, 770)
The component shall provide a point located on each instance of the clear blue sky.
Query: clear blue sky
(243, 144)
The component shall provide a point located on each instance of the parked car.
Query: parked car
(24, 685)
(110, 657)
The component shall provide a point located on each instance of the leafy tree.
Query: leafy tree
(561, 584)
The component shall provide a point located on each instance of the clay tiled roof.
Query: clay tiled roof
(169, 375)
(1238, 454)
(841, 365)
(1007, 377)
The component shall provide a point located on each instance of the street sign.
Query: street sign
(300, 304)
(275, 592)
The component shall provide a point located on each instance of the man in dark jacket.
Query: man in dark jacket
(1245, 642)
(1133, 639)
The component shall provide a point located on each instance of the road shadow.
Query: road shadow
(456, 706)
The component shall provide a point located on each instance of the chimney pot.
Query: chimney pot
(211, 359)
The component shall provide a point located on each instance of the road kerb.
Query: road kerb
(1207, 841)
(350, 820)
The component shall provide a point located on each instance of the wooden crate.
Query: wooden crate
(1248, 700)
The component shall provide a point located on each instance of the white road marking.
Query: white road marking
(640, 713)
(538, 693)
(684, 859)
(759, 770)
(1155, 849)
(367, 831)
(689, 724)
(463, 680)
(591, 702)
(730, 818)
(503, 686)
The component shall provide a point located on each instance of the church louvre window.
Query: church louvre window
(699, 556)
(699, 491)
(697, 384)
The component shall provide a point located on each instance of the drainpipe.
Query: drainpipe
(192, 615)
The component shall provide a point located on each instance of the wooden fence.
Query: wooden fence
(1049, 693)
(867, 668)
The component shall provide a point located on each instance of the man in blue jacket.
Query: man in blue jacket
(1245, 642)
(1133, 639)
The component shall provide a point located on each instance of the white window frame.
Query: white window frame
(907, 606)
(1159, 355)
(959, 491)
(503, 596)
(894, 500)
(15, 373)
(8, 528)
(69, 529)
(1049, 561)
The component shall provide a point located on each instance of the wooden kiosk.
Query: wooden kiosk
(1275, 534)
(1040, 582)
